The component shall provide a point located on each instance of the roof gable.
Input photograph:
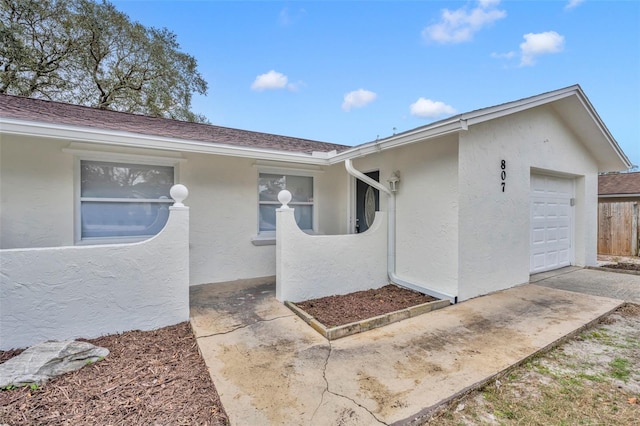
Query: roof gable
(59, 113)
(570, 104)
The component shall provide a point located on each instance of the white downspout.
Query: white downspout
(391, 236)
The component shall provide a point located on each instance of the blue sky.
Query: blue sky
(351, 71)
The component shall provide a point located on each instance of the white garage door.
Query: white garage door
(551, 223)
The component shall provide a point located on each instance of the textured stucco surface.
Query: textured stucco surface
(312, 266)
(426, 210)
(36, 191)
(223, 196)
(37, 179)
(88, 291)
(494, 226)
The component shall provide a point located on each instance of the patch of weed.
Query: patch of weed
(620, 369)
(591, 377)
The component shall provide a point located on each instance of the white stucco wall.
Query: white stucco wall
(37, 202)
(332, 200)
(494, 225)
(224, 204)
(36, 193)
(313, 266)
(426, 210)
(88, 291)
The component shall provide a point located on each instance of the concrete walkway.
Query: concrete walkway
(616, 285)
(270, 368)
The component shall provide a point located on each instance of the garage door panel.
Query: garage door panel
(552, 235)
(538, 261)
(551, 222)
(551, 258)
(537, 236)
(538, 210)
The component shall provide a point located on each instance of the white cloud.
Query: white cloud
(460, 25)
(572, 4)
(273, 80)
(426, 108)
(285, 18)
(540, 44)
(358, 99)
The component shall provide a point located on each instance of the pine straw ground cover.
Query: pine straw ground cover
(149, 378)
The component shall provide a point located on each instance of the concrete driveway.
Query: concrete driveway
(271, 368)
(616, 285)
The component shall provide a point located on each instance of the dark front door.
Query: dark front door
(367, 202)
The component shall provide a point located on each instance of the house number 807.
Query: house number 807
(503, 173)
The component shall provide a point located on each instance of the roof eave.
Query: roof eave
(605, 131)
(441, 128)
(119, 138)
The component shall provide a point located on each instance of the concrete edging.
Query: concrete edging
(337, 332)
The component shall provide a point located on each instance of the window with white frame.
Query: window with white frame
(122, 199)
(301, 188)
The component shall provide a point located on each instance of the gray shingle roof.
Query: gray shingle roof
(61, 113)
(619, 183)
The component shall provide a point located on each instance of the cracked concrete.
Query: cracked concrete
(271, 368)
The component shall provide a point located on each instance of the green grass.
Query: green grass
(620, 369)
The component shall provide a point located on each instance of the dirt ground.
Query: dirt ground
(592, 379)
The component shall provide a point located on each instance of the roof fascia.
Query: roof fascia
(491, 113)
(463, 121)
(109, 137)
(412, 136)
(582, 97)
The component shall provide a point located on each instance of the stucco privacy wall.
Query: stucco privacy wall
(426, 209)
(494, 250)
(38, 206)
(36, 190)
(313, 266)
(88, 291)
(224, 204)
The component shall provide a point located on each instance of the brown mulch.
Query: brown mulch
(625, 266)
(149, 378)
(333, 311)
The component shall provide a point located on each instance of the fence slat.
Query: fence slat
(618, 228)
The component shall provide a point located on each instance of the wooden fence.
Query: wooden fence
(618, 228)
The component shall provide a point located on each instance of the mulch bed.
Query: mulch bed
(333, 311)
(149, 378)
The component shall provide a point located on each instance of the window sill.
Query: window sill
(264, 240)
(269, 239)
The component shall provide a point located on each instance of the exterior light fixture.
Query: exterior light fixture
(393, 181)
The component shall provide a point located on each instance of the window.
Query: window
(301, 188)
(123, 200)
